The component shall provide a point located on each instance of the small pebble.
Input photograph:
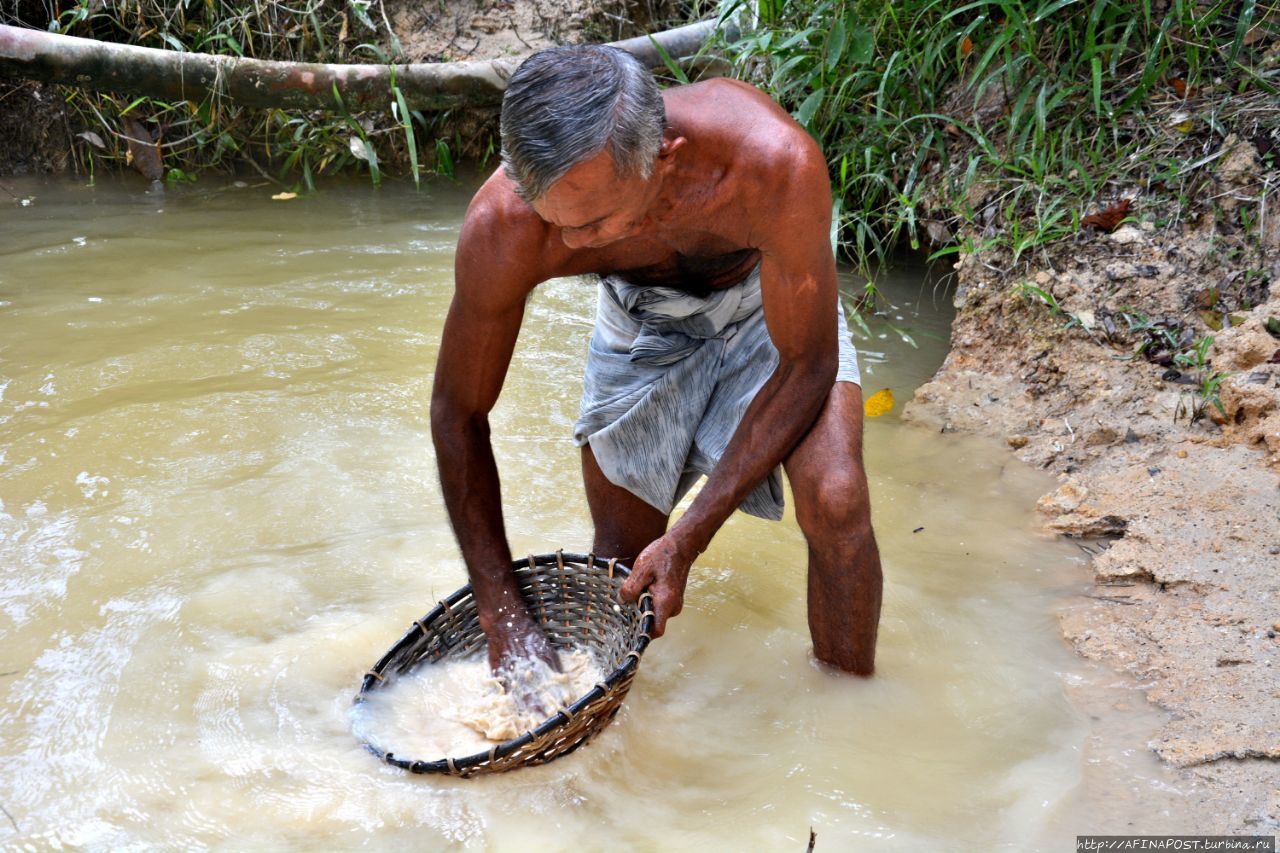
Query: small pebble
(1182, 454)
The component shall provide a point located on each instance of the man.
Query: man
(719, 347)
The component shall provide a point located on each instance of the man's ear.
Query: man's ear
(671, 143)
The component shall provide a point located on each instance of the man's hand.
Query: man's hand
(519, 655)
(663, 569)
(514, 637)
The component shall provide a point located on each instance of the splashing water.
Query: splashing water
(457, 708)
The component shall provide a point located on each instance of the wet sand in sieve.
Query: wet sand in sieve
(456, 708)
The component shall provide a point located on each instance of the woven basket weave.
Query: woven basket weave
(574, 598)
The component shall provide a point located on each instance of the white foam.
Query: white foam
(460, 707)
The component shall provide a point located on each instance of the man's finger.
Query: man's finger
(634, 585)
(665, 605)
(659, 620)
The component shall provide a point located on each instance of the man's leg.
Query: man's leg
(834, 510)
(625, 525)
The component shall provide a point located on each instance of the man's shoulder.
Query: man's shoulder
(497, 215)
(774, 172)
(497, 206)
(734, 107)
(726, 88)
(503, 243)
(759, 135)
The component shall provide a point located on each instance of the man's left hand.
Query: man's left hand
(662, 569)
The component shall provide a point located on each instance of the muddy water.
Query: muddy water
(218, 506)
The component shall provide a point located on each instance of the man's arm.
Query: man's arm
(480, 333)
(798, 285)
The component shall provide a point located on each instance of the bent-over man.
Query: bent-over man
(720, 348)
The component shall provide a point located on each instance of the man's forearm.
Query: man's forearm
(782, 412)
(473, 498)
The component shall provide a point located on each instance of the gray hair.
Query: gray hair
(565, 105)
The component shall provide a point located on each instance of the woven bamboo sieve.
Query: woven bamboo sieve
(574, 598)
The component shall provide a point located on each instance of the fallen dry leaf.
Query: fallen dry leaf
(283, 196)
(879, 403)
(1181, 122)
(1109, 219)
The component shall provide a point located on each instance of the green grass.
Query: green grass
(1003, 119)
(1011, 117)
(292, 148)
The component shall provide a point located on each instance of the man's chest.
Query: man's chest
(694, 261)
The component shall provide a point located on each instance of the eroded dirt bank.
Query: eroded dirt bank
(1087, 366)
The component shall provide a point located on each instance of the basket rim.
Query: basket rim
(498, 751)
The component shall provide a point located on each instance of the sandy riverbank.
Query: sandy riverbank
(1181, 513)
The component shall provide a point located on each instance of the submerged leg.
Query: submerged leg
(834, 510)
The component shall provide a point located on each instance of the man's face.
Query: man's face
(593, 207)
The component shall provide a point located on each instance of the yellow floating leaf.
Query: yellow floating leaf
(879, 403)
(283, 196)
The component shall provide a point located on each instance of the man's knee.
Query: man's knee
(835, 509)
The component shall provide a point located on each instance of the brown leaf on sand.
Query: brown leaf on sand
(1109, 219)
(1207, 299)
(143, 153)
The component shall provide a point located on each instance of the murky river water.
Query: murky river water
(218, 506)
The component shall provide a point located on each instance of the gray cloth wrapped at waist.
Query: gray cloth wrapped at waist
(669, 377)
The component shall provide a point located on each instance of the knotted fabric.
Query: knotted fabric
(669, 377)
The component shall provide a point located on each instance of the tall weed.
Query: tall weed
(932, 108)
